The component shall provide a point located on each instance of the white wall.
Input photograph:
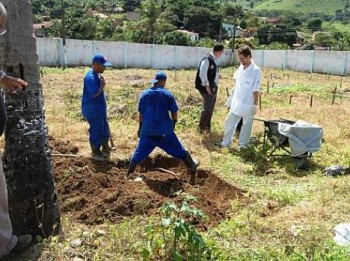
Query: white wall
(124, 55)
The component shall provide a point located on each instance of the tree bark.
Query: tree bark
(27, 161)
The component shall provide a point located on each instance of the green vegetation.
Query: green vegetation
(302, 6)
(285, 214)
(173, 237)
(158, 21)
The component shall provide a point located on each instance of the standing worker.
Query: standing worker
(156, 128)
(94, 108)
(8, 241)
(207, 80)
(243, 103)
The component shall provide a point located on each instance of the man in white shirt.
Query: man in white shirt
(243, 102)
(207, 80)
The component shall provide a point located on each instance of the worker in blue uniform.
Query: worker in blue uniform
(94, 107)
(156, 126)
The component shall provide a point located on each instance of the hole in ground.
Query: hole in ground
(92, 192)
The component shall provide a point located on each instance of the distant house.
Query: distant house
(273, 20)
(39, 29)
(229, 28)
(193, 36)
(300, 38)
(249, 32)
(95, 13)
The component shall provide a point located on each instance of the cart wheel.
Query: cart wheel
(300, 162)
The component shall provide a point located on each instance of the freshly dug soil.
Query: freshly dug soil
(92, 191)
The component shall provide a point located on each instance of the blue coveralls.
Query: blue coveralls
(94, 109)
(157, 126)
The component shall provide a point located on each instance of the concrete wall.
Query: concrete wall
(124, 55)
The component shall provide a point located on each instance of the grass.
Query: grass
(337, 25)
(302, 6)
(288, 214)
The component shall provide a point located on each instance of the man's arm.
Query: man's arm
(140, 117)
(140, 125)
(174, 116)
(203, 75)
(256, 97)
(102, 85)
(203, 72)
(256, 87)
(9, 81)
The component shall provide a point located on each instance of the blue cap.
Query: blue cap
(160, 75)
(99, 58)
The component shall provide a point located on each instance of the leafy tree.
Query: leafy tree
(292, 21)
(240, 42)
(131, 5)
(176, 38)
(277, 46)
(280, 33)
(233, 10)
(323, 39)
(77, 25)
(314, 24)
(342, 40)
(263, 34)
(152, 23)
(252, 20)
(203, 20)
(205, 42)
(105, 29)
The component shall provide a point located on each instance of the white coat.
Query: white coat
(241, 100)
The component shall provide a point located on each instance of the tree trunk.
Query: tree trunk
(27, 161)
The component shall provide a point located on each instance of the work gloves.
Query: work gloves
(254, 109)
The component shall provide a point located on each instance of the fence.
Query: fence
(51, 52)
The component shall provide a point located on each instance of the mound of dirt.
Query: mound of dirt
(61, 146)
(93, 191)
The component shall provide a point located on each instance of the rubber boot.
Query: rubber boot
(191, 163)
(96, 153)
(23, 242)
(106, 149)
(131, 169)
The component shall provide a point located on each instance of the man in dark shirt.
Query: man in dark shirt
(94, 107)
(156, 128)
(8, 241)
(206, 82)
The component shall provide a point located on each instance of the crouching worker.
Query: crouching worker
(156, 127)
(94, 108)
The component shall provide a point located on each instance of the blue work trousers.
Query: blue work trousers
(169, 143)
(98, 131)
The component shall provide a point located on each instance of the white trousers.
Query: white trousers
(7, 240)
(231, 123)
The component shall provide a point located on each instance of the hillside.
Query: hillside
(303, 6)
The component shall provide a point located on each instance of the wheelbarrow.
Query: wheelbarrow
(274, 143)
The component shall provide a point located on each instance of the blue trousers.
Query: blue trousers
(98, 131)
(169, 143)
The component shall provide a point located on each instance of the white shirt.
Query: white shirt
(247, 82)
(203, 71)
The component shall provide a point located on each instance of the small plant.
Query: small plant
(174, 238)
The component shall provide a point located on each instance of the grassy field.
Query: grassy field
(303, 6)
(286, 214)
(337, 25)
